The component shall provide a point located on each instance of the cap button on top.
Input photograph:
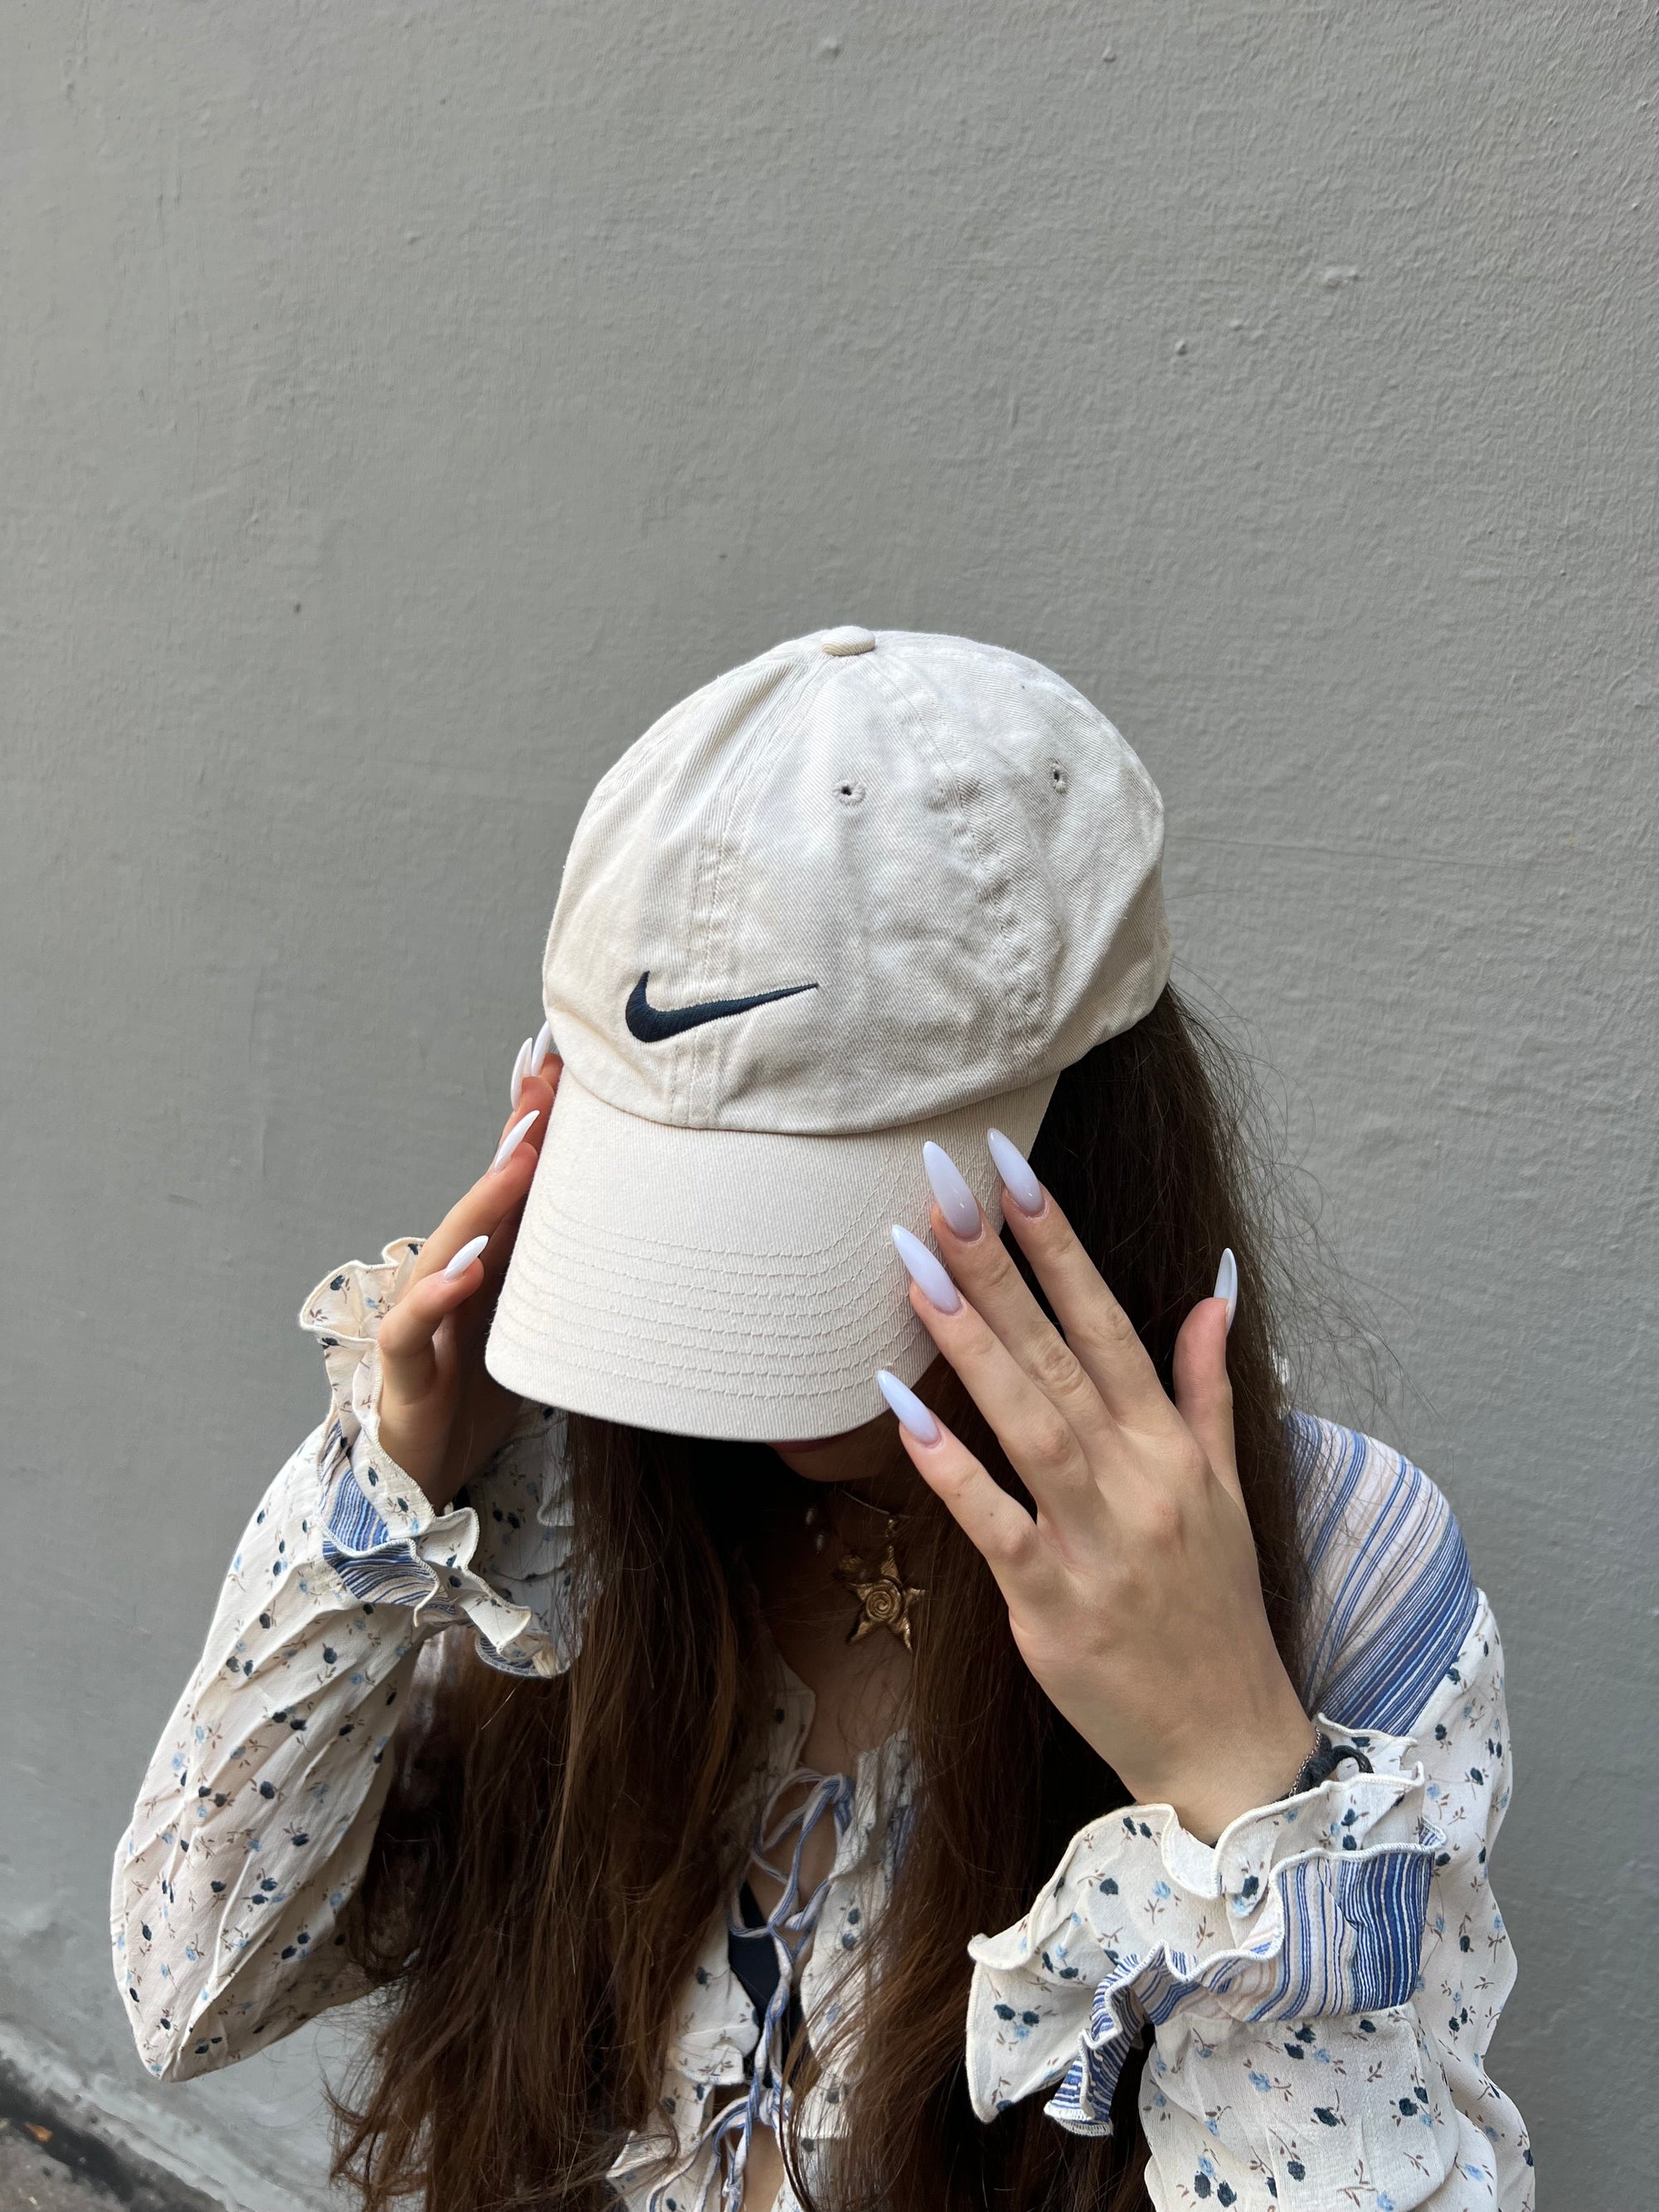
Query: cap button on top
(850, 639)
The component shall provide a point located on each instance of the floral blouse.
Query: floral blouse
(1319, 1986)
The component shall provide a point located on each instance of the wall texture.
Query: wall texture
(404, 403)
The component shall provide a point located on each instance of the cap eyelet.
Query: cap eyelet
(1057, 775)
(848, 792)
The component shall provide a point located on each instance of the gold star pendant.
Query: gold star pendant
(885, 1599)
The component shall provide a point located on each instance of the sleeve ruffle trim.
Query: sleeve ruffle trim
(1313, 1905)
(500, 1557)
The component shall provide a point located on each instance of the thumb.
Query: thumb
(1203, 1394)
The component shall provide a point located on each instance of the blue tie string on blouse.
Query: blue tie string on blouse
(770, 1974)
(753, 1958)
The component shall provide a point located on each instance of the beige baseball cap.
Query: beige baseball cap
(870, 888)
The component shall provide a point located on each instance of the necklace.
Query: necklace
(884, 1597)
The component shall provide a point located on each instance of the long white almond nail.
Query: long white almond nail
(539, 1050)
(949, 1186)
(464, 1258)
(515, 1137)
(1226, 1282)
(926, 1271)
(912, 1414)
(520, 1069)
(1013, 1166)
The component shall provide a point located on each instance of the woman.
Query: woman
(660, 1725)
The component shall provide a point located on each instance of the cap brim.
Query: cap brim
(727, 1282)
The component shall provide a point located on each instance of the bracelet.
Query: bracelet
(1322, 1762)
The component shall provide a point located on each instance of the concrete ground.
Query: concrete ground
(30, 2178)
(48, 2165)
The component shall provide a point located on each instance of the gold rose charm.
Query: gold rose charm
(885, 1599)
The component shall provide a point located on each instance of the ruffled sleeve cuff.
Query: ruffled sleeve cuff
(1316, 1904)
(500, 1557)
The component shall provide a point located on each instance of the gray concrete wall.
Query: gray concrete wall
(403, 404)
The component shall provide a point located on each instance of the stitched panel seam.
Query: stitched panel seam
(993, 904)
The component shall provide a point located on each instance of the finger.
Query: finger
(499, 1191)
(536, 1096)
(407, 1339)
(981, 1266)
(532, 1054)
(489, 1215)
(534, 1091)
(998, 1525)
(1097, 1329)
(1203, 1393)
(1040, 1443)
(486, 1216)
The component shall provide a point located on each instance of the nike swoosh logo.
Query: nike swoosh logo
(651, 1024)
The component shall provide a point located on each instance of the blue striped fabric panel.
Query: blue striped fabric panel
(1392, 1597)
(374, 1565)
(1352, 1943)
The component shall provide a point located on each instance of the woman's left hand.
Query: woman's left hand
(1133, 1595)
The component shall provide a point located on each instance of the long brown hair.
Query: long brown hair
(551, 1853)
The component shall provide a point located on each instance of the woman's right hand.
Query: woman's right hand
(441, 1412)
